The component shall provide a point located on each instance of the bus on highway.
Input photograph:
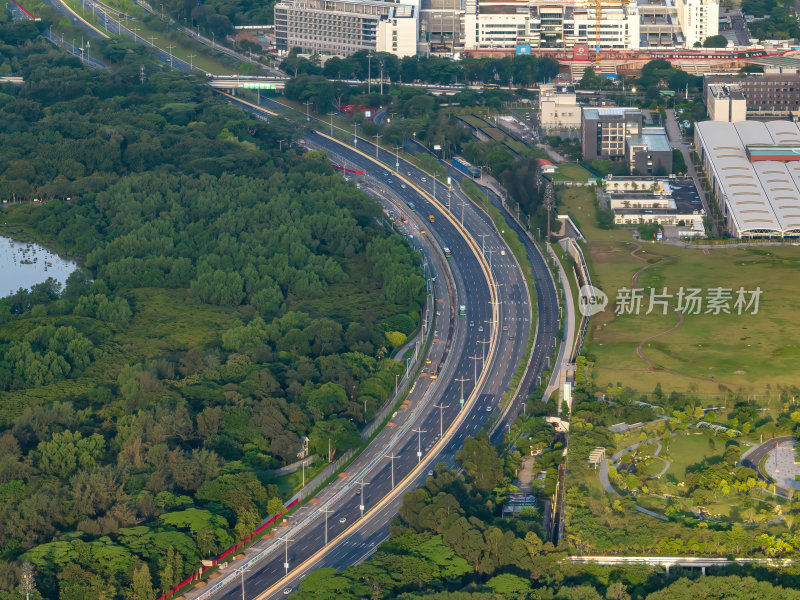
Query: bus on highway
(462, 310)
(447, 252)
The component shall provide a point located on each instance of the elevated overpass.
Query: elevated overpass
(246, 82)
(696, 562)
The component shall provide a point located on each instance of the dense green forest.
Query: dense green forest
(231, 300)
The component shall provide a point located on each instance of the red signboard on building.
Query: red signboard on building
(580, 52)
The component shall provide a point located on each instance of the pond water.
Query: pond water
(25, 264)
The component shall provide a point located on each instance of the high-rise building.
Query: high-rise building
(698, 19)
(343, 27)
(496, 24)
(441, 25)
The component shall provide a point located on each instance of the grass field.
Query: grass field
(687, 450)
(571, 172)
(706, 352)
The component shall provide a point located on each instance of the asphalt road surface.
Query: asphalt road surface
(463, 361)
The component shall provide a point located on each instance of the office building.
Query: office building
(767, 95)
(604, 131)
(649, 152)
(754, 171)
(569, 24)
(343, 27)
(496, 24)
(441, 26)
(559, 113)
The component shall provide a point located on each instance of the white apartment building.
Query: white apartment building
(559, 113)
(343, 27)
(698, 19)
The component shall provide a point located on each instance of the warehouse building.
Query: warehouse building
(754, 171)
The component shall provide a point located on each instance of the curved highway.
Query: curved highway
(461, 367)
(434, 403)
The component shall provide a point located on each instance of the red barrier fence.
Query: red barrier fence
(338, 168)
(232, 550)
(27, 14)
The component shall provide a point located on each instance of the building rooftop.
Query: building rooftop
(763, 196)
(597, 112)
(680, 191)
(655, 138)
(726, 90)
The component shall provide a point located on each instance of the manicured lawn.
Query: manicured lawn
(747, 352)
(571, 172)
(690, 449)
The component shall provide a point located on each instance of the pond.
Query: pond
(23, 264)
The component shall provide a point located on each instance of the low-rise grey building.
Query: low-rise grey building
(649, 152)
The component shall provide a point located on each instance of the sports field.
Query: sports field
(706, 352)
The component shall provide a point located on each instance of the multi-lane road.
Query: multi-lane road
(484, 345)
(463, 360)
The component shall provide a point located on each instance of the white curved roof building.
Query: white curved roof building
(754, 171)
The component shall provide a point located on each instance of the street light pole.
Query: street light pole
(327, 511)
(307, 103)
(462, 380)
(331, 114)
(484, 342)
(362, 483)
(483, 237)
(286, 541)
(475, 360)
(419, 433)
(191, 65)
(392, 457)
(171, 46)
(397, 158)
(441, 409)
(355, 134)
(377, 143)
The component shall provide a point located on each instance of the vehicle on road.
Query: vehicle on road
(411, 206)
(287, 591)
(505, 327)
(343, 520)
(472, 323)
(480, 328)
(430, 472)
(462, 310)
(358, 492)
(489, 408)
(424, 179)
(466, 168)
(447, 252)
(431, 218)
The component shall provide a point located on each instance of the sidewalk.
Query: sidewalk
(676, 142)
